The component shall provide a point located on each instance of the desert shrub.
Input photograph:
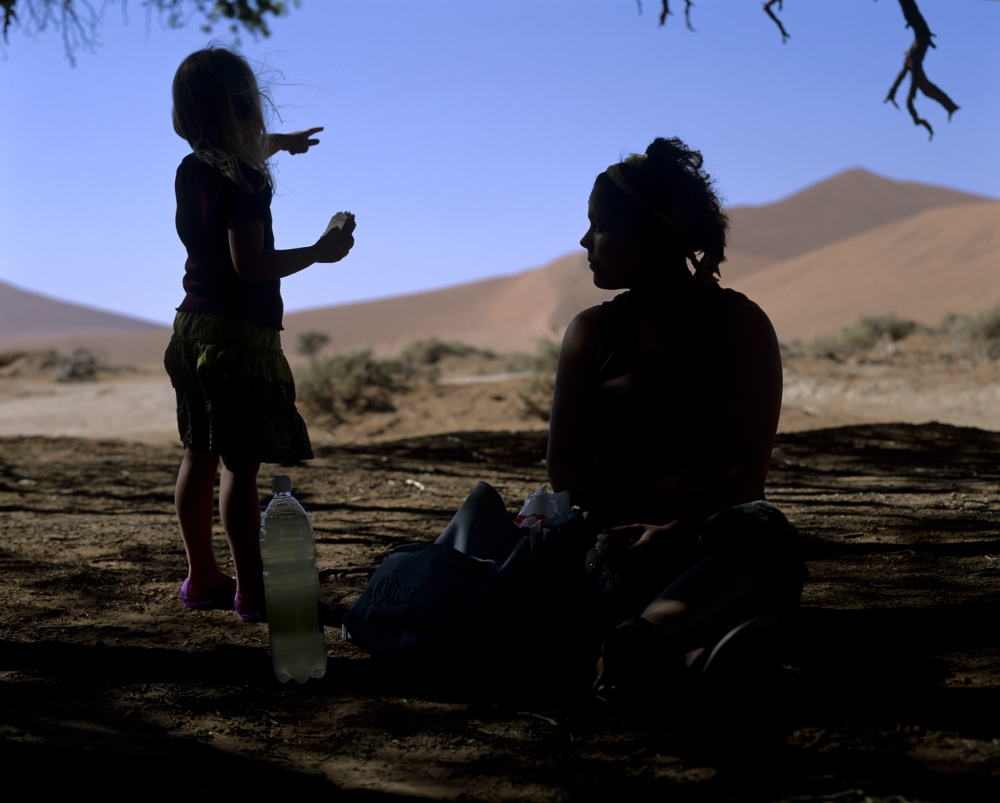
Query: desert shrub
(536, 399)
(982, 330)
(543, 361)
(864, 335)
(81, 365)
(431, 350)
(19, 363)
(10, 357)
(311, 342)
(793, 349)
(356, 382)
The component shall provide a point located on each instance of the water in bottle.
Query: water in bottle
(291, 584)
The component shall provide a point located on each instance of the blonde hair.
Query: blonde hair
(218, 110)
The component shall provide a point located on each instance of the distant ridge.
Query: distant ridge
(28, 316)
(845, 205)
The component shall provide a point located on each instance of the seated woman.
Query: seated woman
(665, 411)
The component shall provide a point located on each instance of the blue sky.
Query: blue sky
(466, 134)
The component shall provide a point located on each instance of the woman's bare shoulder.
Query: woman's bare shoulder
(750, 321)
(583, 330)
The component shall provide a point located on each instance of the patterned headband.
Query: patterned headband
(706, 268)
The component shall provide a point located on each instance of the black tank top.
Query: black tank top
(666, 413)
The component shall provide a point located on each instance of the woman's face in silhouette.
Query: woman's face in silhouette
(611, 250)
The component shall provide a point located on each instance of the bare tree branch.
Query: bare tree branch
(78, 21)
(665, 12)
(913, 64)
(785, 35)
(9, 15)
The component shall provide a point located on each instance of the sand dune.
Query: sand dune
(506, 314)
(848, 204)
(25, 315)
(922, 267)
(132, 348)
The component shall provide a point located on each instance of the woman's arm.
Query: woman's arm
(254, 263)
(754, 402)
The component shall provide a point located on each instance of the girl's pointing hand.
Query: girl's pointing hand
(296, 142)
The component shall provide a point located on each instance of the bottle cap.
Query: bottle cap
(281, 485)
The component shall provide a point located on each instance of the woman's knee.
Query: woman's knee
(759, 535)
(755, 528)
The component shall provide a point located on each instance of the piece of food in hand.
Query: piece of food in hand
(338, 221)
(609, 542)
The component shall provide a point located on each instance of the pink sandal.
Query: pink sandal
(247, 613)
(218, 597)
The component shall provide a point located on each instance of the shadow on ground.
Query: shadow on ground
(890, 690)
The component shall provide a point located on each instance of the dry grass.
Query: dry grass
(868, 332)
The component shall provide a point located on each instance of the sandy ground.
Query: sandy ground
(926, 377)
(890, 689)
(891, 681)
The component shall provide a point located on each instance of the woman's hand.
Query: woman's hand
(635, 543)
(296, 142)
(630, 536)
(335, 245)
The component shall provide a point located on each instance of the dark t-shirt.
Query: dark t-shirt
(208, 204)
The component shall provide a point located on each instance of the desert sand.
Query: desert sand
(888, 689)
(926, 377)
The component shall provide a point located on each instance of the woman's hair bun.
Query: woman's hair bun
(670, 179)
(674, 152)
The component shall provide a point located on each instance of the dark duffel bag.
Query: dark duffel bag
(462, 592)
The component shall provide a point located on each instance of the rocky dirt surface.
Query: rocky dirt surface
(890, 690)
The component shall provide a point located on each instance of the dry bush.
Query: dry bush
(431, 351)
(981, 331)
(536, 400)
(311, 343)
(354, 382)
(868, 332)
(543, 361)
(80, 365)
(26, 363)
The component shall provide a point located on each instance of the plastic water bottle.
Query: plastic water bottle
(291, 584)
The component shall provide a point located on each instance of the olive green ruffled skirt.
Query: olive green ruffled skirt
(235, 392)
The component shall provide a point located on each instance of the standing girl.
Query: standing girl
(235, 393)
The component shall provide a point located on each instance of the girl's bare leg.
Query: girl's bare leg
(193, 499)
(239, 505)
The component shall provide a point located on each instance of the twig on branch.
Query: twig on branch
(913, 64)
(78, 21)
(9, 15)
(785, 35)
(665, 12)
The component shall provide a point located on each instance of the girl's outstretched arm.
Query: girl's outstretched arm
(254, 263)
(296, 142)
